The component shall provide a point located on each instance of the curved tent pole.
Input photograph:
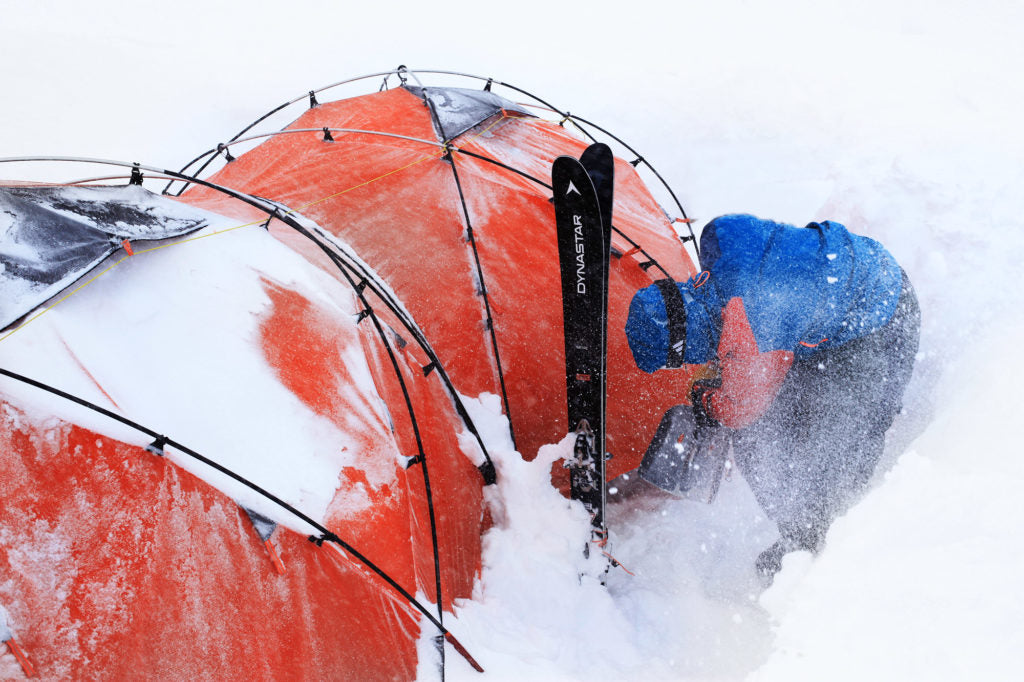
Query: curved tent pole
(422, 457)
(326, 535)
(223, 146)
(487, 303)
(490, 81)
(211, 153)
(360, 269)
(486, 470)
(471, 238)
(487, 159)
(289, 131)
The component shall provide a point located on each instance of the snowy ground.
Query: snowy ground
(898, 119)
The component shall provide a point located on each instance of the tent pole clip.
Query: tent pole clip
(157, 446)
(312, 100)
(487, 471)
(221, 147)
(136, 175)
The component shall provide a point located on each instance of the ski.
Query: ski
(599, 162)
(597, 159)
(583, 264)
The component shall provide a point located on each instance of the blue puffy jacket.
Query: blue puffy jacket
(775, 292)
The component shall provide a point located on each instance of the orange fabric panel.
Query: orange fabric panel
(302, 343)
(455, 482)
(119, 565)
(516, 238)
(396, 203)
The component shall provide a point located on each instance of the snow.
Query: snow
(898, 119)
(158, 364)
(45, 266)
(943, 570)
(5, 630)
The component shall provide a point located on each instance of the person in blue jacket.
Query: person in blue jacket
(811, 334)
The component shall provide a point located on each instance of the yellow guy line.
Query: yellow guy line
(398, 170)
(95, 277)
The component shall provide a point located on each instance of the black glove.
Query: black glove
(699, 396)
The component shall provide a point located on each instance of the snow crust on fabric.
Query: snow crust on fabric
(460, 109)
(52, 236)
(255, 359)
(395, 200)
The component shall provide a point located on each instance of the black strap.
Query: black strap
(675, 310)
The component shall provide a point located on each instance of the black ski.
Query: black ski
(583, 262)
(600, 165)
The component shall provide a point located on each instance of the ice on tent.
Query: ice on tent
(460, 109)
(5, 630)
(52, 236)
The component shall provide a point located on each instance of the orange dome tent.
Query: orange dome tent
(445, 191)
(251, 457)
(130, 553)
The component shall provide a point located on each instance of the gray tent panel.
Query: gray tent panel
(460, 109)
(50, 237)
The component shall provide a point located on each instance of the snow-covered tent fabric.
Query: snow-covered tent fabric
(121, 563)
(463, 231)
(52, 236)
(408, 262)
(459, 109)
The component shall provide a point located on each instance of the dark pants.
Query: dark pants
(817, 445)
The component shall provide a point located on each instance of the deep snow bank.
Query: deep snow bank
(922, 579)
(918, 580)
